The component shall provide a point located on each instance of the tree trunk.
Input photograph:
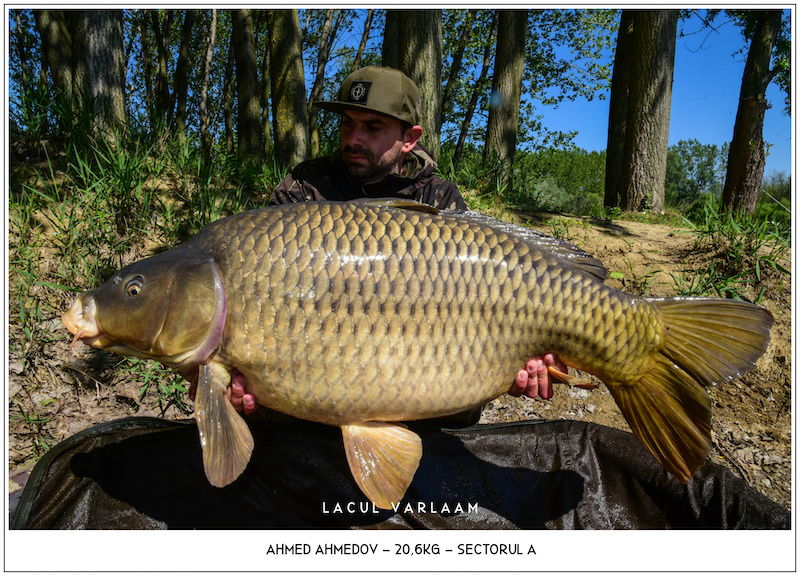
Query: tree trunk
(746, 157)
(364, 37)
(265, 104)
(182, 74)
(205, 137)
(420, 58)
(501, 128)
(56, 49)
(99, 63)
(249, 125)
(644, 166)
(455, 67)
(227, 99)
(287, 84)
(390, 51)
(476, 92)
(163, 110)
(325, 41)
(143, 17)
(618, 107)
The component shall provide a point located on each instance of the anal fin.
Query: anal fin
(383, 458)
(224, 436)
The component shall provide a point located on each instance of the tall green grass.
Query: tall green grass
(747, 252)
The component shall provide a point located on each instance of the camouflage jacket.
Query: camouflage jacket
(327, 179)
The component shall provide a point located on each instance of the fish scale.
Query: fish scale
(364, 315)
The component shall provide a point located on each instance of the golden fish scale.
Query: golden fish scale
(345, 313)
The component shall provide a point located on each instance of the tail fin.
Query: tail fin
(707, 341)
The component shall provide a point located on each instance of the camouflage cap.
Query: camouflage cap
(381, 90)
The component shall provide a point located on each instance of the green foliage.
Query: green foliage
(693, 169)
(557, 180)
(748, 251)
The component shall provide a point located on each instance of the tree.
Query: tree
(182, 75)
(476, 92)
(287, 81)
(618, 108)
(249, 124)
(501, 129)
(651, 58)
(205, 137)
(98, 73)
(56, 49)
(363, 44)
(326, 39)
(747, 156)
(419, 56)
(455, 67)
(162, 32)
(692, 170)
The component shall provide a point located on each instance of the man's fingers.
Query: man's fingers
(545, 382)
(538, 377)
(520, 383)
(249, 403)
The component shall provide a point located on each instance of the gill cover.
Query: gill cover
(170, 307)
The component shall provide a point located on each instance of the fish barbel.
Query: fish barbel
(364, 315)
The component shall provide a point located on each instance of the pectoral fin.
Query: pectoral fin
(383, 458)
(224, 436)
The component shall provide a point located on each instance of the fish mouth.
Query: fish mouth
(80, 320)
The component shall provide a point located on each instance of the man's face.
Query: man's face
(371, 144)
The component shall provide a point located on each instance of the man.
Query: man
(380, 156)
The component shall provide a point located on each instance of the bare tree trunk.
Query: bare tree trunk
(162, 32)
(420, 58)
(265, 103)
(455, 68)
(476, 92)
(287, 84)
(56, 49)
(644, 168)
(325, 41)
(502, 126)
(746, 157)
(390, 51)
(249, 125)
(364, 37)
(182, 74)
(227, 97)
(143, 17)
(618, 108)
(98, 75)
(205, 137)
(21, 46)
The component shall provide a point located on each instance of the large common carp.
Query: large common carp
(363, 315)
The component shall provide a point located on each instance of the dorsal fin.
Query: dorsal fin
(560, 249)
(400, 203)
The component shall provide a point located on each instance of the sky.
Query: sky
(705, 95)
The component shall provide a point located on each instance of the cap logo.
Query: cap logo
(359, 92)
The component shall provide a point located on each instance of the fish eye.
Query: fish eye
(134, 286)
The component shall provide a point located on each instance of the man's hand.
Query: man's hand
(237, 393)
(533, 380)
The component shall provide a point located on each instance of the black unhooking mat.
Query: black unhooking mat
(144, 473)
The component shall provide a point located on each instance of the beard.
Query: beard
(372, 168)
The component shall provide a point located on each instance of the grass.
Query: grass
(747, 253)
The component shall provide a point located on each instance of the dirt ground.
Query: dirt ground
(65, 392)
